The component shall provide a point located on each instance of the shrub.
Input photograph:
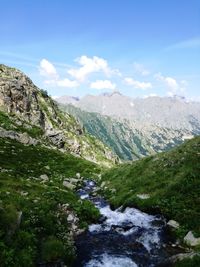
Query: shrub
(52, 249)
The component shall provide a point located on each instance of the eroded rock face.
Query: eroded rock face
(32, 106)
(18, 95)
(23, 138)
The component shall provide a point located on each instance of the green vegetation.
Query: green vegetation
(172, 180)
(33, 224)
(194, 262)
(126, 139)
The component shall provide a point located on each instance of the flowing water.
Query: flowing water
(122, 238)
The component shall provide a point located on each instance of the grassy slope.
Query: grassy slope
(21, 190)
(172, 179)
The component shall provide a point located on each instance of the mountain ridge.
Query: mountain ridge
(159, 110)
(27, 107)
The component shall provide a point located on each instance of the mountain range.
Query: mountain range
(134, 128)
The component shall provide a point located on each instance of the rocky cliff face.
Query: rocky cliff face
(30, 108)
(20, 96)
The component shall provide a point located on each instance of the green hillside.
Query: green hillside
(171, 180)
(130, 140)
(35, 205)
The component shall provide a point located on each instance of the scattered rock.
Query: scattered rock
(56, 137)
(143, 196)
(103, 184)
(70, 217)
(182, 256)
(190, 240)
(173, 224)
(47, 167)
(22, 193)
(78, 175)
(20, 137)
(74, 180)
(69, 185)
(44, 177)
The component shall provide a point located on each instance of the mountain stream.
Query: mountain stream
(121, 238)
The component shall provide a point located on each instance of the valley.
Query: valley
(67, 196)
(134, 128)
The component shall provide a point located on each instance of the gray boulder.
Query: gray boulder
(173, 224)
(190, 240)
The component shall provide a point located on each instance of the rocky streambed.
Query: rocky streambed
(121, 238)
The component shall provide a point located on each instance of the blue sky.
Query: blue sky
(78, 47)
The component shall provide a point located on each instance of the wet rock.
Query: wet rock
(127, 226)
(182, 256)
(102, 219)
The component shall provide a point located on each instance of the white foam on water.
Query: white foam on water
(150, 239)
(106, 260)
(129, 215)
(95, 228)
(150, 235)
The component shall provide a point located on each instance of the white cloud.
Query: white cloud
(174, 87)
(169, 81)
(141, 69)
(62, 83)
(137, 84)
(67, 83)
(91, 65)
(47, 69)
(103, 84)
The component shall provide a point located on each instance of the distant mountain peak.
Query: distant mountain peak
(113, 93)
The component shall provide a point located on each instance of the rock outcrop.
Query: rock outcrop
(20, 98)
(19, 95)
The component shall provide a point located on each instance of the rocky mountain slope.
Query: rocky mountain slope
(29, 115)
(134, 128)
